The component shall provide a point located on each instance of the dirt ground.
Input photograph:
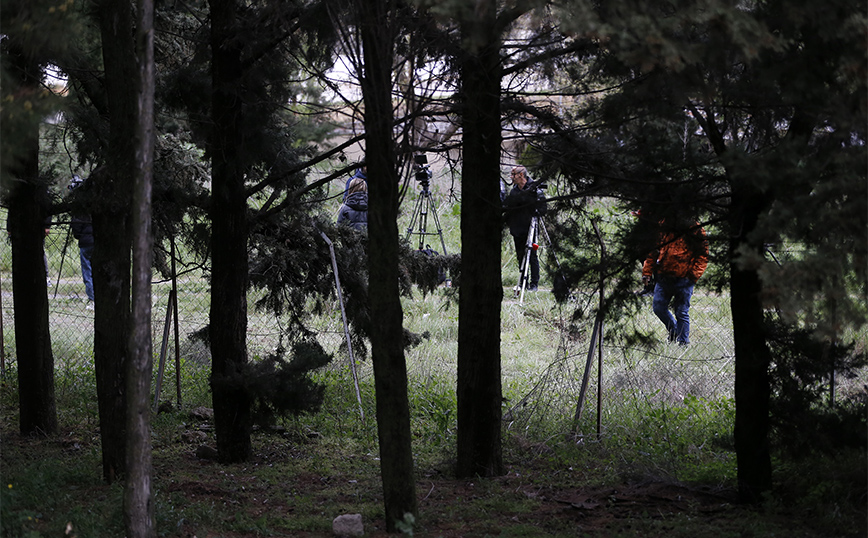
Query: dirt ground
(637, 508)
(284, 489)
(599, 511)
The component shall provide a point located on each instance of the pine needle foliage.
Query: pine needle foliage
(803, 422)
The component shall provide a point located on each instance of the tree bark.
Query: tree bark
(752, 355)
(228, 317)
(30, 299)
(387, 347)
(479, 383)
(138, 500)
(26, 225)
(111, 255)
(28, 211)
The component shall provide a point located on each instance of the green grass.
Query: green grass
(666, 415)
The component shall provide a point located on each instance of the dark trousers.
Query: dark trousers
(520, 246)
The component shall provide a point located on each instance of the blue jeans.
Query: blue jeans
(85, 253)
(674, 291)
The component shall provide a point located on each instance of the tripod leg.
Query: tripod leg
(525, 262)
(545, 232)
(553, 256)
(523, 275)
(424, 206)
(416, 212)
(437, 224)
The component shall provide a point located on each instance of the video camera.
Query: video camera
(536, 185)
(423, 173)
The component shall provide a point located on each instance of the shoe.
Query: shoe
(532, 287)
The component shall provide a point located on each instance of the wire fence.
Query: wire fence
(593, 389)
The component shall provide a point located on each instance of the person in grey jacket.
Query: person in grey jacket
(354, 210)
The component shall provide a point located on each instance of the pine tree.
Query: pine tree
(750, 118)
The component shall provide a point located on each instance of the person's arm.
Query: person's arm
(342, 214)
(648, 268)
(700, 263)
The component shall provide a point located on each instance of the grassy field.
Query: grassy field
(651, 455)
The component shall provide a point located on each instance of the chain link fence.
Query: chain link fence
(605, 390)
(597, 388)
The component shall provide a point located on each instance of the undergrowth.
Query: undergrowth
(314, 466)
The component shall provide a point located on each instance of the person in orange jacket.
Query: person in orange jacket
(676, 265)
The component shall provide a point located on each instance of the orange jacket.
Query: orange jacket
(679, 255)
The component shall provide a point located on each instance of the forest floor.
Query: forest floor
(295, 486)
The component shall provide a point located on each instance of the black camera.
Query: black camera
(536, 185)
(423, 174)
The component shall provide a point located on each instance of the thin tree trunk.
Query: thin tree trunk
(228, 317)
(752, 356)
(27, 215)
(479, 383)
(138, 498)
(30, 299)
(387, 348)
(111, 255)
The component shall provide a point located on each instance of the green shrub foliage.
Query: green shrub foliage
(800, 375)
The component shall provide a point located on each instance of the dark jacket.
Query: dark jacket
(82, 229)
(521, 205)
(354, 211)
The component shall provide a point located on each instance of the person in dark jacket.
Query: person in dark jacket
(82, 230)
(523, 202)
(361, 172)
(354, 210)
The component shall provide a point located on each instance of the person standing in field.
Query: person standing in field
(361, 173)
(525, 201)
(82, 230)
(679, 261)
(354, 210)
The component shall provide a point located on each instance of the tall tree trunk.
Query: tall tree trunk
(481, 293)
(752, 355)
(387, 346)
(138, 498)
(30, 298)
(28, 211)
(111, 256)
(228, 318)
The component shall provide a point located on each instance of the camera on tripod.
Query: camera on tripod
(424, 206)
(423, 173)
(536, 185)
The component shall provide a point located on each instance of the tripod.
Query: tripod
(536, 225)
(424, 204)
